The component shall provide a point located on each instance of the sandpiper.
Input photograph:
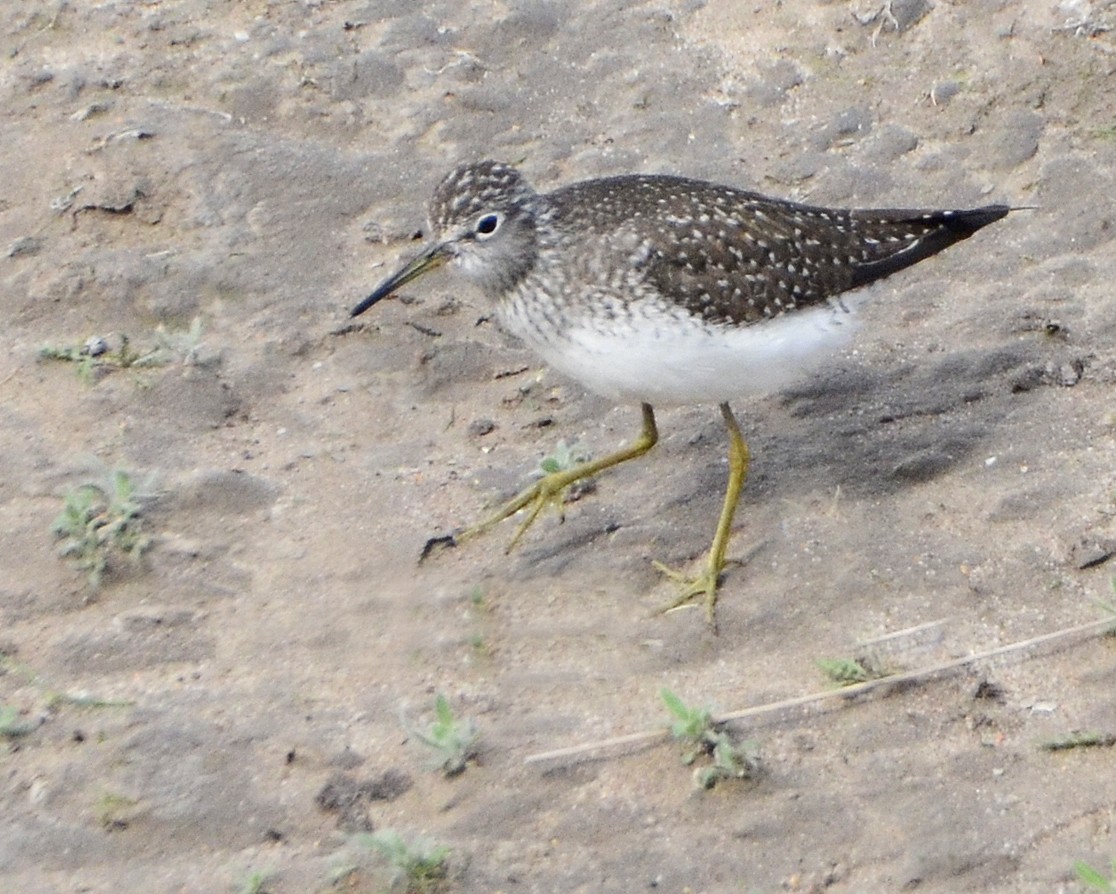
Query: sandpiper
(653, 290)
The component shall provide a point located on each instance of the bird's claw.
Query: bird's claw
(691, 587)
(436, 545)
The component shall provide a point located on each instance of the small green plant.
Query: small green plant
(56, 700)
(14, 722)
(1109, 607)
(843, 671)
(254, 884)
(182, 347)
(476, 598)
(114, 811)
(565, 456)
(1095, 879)
(418, 866)
(12, 726)
(849, 671)
(1079, 740)
(696, 728)
(98, 523)
(691, 725)
(453, 741)
(96, 358)
(731, 760)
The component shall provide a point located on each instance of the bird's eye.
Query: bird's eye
(487, 224)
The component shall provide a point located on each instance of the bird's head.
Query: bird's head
(482, 221)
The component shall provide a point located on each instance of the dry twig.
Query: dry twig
(909, 677)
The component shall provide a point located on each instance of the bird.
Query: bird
(654, 290)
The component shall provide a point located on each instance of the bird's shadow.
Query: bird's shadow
(874, 431)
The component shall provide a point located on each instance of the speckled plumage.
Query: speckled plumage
(656, 289)
(725, 254)
(664, 289)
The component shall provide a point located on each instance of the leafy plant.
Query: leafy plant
(11, 726)
(254, 884)
(183, 347)
(731, 760)
(99, 522)
(55, 700)
(418, 866)
(13, 722)
(696, 728)
(454, 741)
(1079, 740)
(692, 725)
(1095, 879)
(1109, 607)
(846, 672)
(95, 357)
(565, 456)
(476, 598)
(115, 811)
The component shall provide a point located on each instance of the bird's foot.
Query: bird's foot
(547, 491)
(690, 587)
(550, 490)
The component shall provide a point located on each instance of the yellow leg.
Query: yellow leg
(549, 488)
(706, 582)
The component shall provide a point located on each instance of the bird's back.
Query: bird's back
(736, 257)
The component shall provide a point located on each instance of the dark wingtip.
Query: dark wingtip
(944, 228)
(968, 222)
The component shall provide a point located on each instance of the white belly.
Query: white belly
(683, 361)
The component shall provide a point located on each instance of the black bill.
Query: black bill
(434, 256)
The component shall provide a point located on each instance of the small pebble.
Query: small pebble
(95, 346)
(478, 428)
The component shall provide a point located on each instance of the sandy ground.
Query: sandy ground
(227, 712)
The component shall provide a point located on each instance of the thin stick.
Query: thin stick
(908, 632)
(922, 674)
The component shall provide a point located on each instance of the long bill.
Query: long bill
(431, 257)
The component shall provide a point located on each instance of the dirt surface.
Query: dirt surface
(230, 712)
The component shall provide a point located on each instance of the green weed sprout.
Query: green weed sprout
(99, 522)
(690, 725)
(11, 726)
(1095, 879)
(418, 867)
(184, 347)
(256, 883)
(849, 671)
(454, 742)
(96, 358)
(565, 456)
(697, 730)
(115, 811)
